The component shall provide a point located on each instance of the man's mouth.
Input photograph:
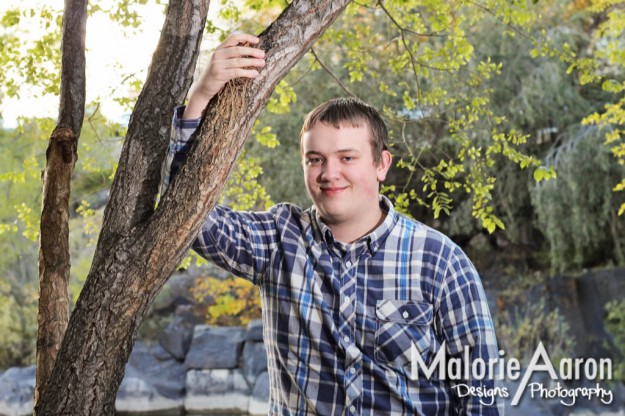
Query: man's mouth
(332, 190)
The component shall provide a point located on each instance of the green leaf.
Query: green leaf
(11, 18)
(611, 85)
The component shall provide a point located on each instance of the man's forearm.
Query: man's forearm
(182, 137)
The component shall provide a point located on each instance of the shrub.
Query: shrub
(231, 302)
(615, 324)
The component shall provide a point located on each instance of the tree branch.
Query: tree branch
(135, 186)
(334, 77)
(61, 155)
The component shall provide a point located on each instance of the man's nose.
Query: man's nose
(330, 170)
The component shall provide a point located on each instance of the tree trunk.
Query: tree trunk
(141, 247)
(54, 258)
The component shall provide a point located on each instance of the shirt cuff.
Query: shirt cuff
(189, 123)
(183, 129)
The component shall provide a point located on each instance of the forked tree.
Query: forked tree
(140, 244)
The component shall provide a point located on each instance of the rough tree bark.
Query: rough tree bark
(61, 155)
(139, 247)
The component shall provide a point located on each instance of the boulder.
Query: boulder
(218, 390)
(259, 401)
(215, 348)
(136, 394)
(154, 381)
(254, 331)
(176, 338)
(254, 360)
(17, 390)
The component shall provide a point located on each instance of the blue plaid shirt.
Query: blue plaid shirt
(340, 320)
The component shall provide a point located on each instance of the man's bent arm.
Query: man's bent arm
(240, 242)
(467, 327)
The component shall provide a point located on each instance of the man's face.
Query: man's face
(341, 176)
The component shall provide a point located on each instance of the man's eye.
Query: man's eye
(348, 158)
(314, 160)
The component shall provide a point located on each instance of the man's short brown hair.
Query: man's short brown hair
(350, 112)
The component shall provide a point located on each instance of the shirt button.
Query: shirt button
(346, 338)
(352, 409)
(352, 370)
(348, 264)
(405, 314)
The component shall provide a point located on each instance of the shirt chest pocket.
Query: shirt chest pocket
(399, 326)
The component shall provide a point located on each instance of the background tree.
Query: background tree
(507, 93)
(54, 255)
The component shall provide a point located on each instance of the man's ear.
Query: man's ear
(384, 165)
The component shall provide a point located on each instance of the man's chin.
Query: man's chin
(331, 217)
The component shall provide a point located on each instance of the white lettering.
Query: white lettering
(534, 366)
(482, 392)
(417, 362)
(478, 370)
(454, 369)
(605, 363)
(462, 367)
(590, 369)
(514, 369)
(568, 397)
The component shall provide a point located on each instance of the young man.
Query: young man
(354, 294)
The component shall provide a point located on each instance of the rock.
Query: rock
(259, 401)
(588, 412)
(161, 354)
(17, 389)
(254, 331)
(215, 348)
(595, 289)
(136, 394)
(254, 360)
(154, 381)
(222, 390)
(176, 339)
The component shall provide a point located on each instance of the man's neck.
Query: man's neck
(350, 232)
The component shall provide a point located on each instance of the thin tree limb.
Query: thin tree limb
(329, 71)
(61, 155)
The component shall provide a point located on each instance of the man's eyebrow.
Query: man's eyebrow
(340, 151)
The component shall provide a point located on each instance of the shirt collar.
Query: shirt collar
(373, 240)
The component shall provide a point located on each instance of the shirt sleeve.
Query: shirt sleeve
(180, 141)
(466, 324)
(240, 242)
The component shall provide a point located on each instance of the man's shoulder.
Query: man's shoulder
(291, 220)
(427, 238)
(407, 228)
(289, 209)
(434, 246)
(284, 211)
(285, 215)
(420, 231)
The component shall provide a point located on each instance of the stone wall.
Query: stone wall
(581, 301)
(199, 369)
